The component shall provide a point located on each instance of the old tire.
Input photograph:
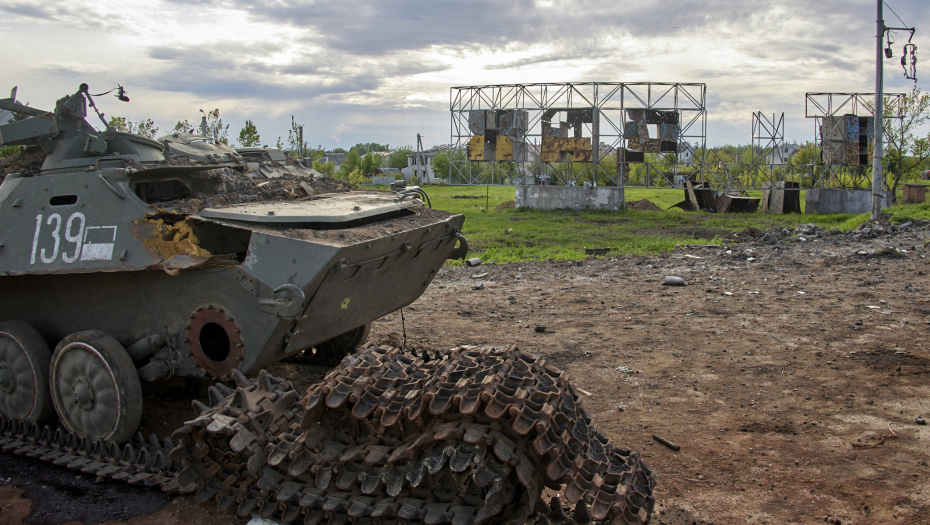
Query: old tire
(24, 358)
(95, 387)
(332, 351)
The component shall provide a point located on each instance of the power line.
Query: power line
(895, 14)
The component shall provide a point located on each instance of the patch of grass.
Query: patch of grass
(512, 235)
(909, 212)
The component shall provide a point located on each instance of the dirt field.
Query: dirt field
(790, 372)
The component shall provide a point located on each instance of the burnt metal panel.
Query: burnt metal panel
(636, 131)
(512, 123)
(476, 148)
(476, 121)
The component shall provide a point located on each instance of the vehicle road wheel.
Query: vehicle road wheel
(24, 358)
(332, 351)
(95, 387)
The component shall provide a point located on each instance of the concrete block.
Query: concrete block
(829, 200)
(569, 198)
(915, 193)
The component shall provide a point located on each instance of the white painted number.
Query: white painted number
(76, 239)
(76, 231)
(55, 235)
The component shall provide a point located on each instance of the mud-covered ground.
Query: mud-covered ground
(790, 370)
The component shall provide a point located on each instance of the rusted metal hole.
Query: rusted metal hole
(215, 342)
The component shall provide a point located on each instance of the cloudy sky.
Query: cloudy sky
(369, 71)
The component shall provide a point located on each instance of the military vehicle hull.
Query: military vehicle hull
(113, 271)
(344, 287)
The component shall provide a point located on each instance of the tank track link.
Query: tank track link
(386, 438)
(473, 437)
(143, 462)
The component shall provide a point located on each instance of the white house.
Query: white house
(424, 172)
(685, 153)
(781, 154)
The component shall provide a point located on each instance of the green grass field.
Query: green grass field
(511, 235)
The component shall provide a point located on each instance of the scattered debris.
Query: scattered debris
(921, 421)
(540, 328)
(479, 275)
(479, 286)
(784, 197)
(585, 392)
(666, 442)
(474, 261)
(735, 203)
(596, 251)
(674, 281)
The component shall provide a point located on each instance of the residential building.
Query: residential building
(336, 158)
(685, 153)
(424, 172)
(781, 154)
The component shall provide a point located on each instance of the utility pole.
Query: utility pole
(909, 63)
(878, 116)
(300, 149)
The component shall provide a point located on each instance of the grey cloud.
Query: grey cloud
(84, 17)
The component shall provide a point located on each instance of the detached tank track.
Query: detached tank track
(387, 438)
(144, 462)
(472, 438)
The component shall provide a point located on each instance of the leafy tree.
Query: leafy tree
(326, 168)
(398, 158)
(293, 139)
(353, 161)
(183, 126)
(144, 128)
(443, 161)
(906, 153)
(215, 128)
(279, 144)
(365, 147)
(339, 150)
(248, 135)
(369, 163)
(358, 177)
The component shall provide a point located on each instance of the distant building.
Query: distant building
(781, 154)
(424, 172)
(685, 153)
(336, 158)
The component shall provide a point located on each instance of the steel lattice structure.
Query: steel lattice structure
(509, 133)
(844, 131)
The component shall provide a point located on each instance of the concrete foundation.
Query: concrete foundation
(828, 200)
(569, 197)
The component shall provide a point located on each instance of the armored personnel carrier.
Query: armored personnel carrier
(103, 285)
(116, 255)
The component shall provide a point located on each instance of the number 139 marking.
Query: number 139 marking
(77, 239)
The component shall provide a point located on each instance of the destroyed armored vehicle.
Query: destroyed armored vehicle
(272, 163)
(104, 284)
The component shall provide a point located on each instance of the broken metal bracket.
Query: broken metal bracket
(288, 303)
